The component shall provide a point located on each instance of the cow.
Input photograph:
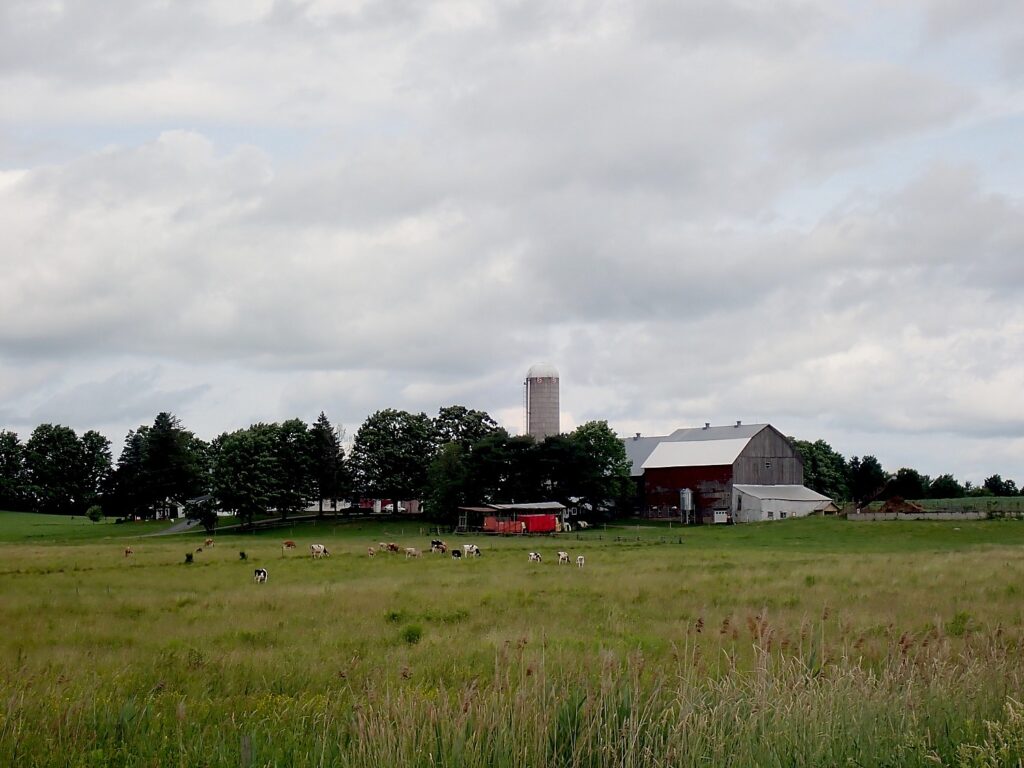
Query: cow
(318, 551)
(471, 550)
(287, 545)
(392, 547)
(456, 554)
(371, 551)
(582, 525)
(260, 576)
(579, 560)
(382, 546)
(535, 557)
(436, 545)
(411, 552)
(199, 549)
(208, 543)
(128, 551)
(563, 557)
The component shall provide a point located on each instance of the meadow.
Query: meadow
(803, 642)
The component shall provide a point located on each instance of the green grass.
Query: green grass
(805, 642)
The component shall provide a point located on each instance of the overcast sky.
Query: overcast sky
(810, 214)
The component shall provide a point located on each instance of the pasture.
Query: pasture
(804, 642)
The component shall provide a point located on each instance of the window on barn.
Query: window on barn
(771, 515)
(782, 515)
(767, 465)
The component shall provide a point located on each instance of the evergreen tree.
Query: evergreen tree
(14, 492)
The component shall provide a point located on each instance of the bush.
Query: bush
(412, 633)
(94, 513)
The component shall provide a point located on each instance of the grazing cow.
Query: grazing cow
(128, 551)
(392, 547)
(563, 557)
(199, 549)
(382, 546)
(318, 551)
(535, 557)
(471, 550)
(287, 545)
(412, 552)
(579, 560)
(582, 525)
(436, 545)
(260, 576)
(371, 551)
(208, 543)
(456, 554)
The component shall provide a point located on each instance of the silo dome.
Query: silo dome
(542, 371)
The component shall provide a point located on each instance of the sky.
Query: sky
(803, 213)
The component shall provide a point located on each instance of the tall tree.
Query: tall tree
(458, 424)
(293, 467)
(907, 483)
(244, 474)
(999, 487)
(602, 467)
(174, 462)
(54, 466)
(328, 457)
(945, 487)
(96, 464)
(14, 493)
(867, 479)
(391, 453)
(825, 469)
(446, 484)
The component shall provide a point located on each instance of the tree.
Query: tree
(328, 461)
(54, 462)
(601, 467)
(14, 493)
(867, 479)
(244, 473)
(825, 469)
(174, 463)
(203, 509)
(446, 483)
(94, 513)
(96, 466)
(999, 487)
(458, 424)
(907, 483)
(391, 453)
(292, 487)
(945, 487)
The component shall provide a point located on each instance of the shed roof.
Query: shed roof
(697, 453)
(535, 506)
(782, 492)
(639, 449)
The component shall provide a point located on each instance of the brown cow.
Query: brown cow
(128, 551)
(208, 543)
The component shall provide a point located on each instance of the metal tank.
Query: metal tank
(541, 395)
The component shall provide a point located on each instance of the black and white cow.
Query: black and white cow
(456, 554)
(318, 551)
(471, 550)
(436, 545)
(535, 557)
(260, 576)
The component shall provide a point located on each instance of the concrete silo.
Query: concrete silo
(541, 397)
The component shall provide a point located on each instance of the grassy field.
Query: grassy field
(804, 642)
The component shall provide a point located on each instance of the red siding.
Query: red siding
(711, 486)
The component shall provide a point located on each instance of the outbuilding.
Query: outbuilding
(756, 503)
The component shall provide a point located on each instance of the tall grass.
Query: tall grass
(781, 651)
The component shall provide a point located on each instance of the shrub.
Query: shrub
(412, 633)
(94, 513)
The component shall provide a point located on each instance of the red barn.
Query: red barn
(704, 464)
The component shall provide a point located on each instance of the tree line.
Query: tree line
(862, 479)
(460, 457)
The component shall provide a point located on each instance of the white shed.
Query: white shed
(754, 503)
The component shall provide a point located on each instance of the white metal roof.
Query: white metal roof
(782, 492)
(639, 448)
(696, 453)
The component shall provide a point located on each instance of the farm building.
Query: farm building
(534, 517)
(755, 503)
(693, 473)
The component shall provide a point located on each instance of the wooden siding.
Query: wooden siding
(768, 459)
(711, 486)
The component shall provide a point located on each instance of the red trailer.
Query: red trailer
(540, 523)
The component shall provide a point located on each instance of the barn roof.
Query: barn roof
(639, 449)
(534, 506)
(696, 453)
(782, 492)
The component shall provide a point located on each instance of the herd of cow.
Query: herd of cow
(437, 546)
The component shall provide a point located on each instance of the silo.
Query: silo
(542, 401)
